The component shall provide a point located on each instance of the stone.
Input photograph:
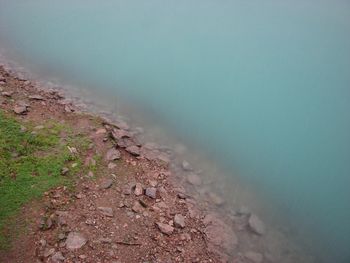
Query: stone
(57, 257)
(179, 221)
(107, 211)
(75, 240)
(138, 189)
(20, 109)
(137, 207)
(186, 166)
(101, 131)
(7, 94)
(185, 237)
(134, 150)
(48, 252)
(194, 179)
(64, 171)
(36, 97)
(165, 228)
(111, 166)
(256, 225)
(215, 199)
(113, 154)
(254, 257)
(106, 184)
(151, 192)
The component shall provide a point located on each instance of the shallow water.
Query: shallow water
(262, 87)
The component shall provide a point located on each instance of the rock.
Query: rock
(111, 166)
(48, 252)
(7, 94)
(127, 190)
(118, 134)
(20, 109)
(215, 199)
(254, 257)
(57, 257)
(179, 221)
(256, 225)
(64, 171)
(101, 131)
(137, 207)
(138, 189)
(185, 237)
(134, 150)
(220, 236)
(75, 240)
(194, 179)
(243, 210)
(39, 127)
(107, 211)
(151, 192)
(68, 108)
(106, 184)
(186, 166)
(113, 154)
(36, 97)
(165, 228)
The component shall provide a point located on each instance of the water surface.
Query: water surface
(262, 87)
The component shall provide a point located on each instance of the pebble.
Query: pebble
(113, 154)
(75, 240)
(151, 192)
(106, 184)
(137, 207)
(256, 225)
(165, 228)
(138, 189)
(194, 179)
(179, 221)
(57, 257)
(107, 211)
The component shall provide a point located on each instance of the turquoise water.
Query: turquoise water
(262, 86)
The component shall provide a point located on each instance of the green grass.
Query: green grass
(30, 164)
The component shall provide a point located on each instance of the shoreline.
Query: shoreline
(228, 236)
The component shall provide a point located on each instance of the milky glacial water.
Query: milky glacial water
(262, 87)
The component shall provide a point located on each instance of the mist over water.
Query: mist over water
(263, 87)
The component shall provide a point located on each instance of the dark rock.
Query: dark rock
(151, 192)
(75, 240)
(134, 150)
(179, 221)
(165, 228)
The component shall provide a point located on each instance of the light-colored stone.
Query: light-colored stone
(138, 189)
(36, 97)
(179, 221)
(186, 166)
(107, 211)
(75, 240)
(57, 257)
(20, 109)
(256, 225)
(215, 199)
(165, 228)
(137, 207)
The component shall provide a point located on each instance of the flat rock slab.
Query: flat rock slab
(75, 240)
(107, 211)
(113, 154)
(134, 150)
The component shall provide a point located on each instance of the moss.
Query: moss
(30, 164)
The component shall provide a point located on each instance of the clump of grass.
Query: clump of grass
(30, 164)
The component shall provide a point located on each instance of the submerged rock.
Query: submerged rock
(254, 257)
(194, 179)
(186, 166)
(75, 240)
(256, 225)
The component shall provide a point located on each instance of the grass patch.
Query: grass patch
(30, 164)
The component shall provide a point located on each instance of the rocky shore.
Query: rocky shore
(126, 204)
